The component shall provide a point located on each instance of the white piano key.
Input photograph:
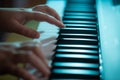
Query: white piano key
(47, 25)
(71, 45)
(74, 64)
(78, 50)
(78, 34)
(79, 39)
(76, 21)
(77, 56)
(46, 35)
(80, 14)
(79, 25)
(75, 71)
(67, 28)
(79, 17)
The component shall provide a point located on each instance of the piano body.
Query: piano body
(89, 47)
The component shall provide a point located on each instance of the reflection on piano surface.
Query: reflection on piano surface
(83, 51)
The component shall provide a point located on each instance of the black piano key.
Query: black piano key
(85, 42)
(86, 36)
(72, 28)
(73, 77)
(83, 60)
(80, 31)
(86, 48)
(69, 36)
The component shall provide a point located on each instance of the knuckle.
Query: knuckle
(46, 6)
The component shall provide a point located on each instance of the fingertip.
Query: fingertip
(33, 34)
(61, 25)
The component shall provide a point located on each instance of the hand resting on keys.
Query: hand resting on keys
(29, 52)
(14, 20)
(25, 52)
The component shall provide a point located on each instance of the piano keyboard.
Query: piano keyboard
(77, 53)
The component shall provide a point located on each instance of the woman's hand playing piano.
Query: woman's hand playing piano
(14, 20)
(31, 53)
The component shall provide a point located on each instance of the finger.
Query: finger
(49, 47)
(44, 41)
(8, 45)
(53, 13)
(33, 71)
(35, 48)
(33, 60)
(46, 9)
(38, 51)
(47, 50)
(23, 30)
(39, 16)
(15, 70)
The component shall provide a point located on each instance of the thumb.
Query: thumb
(24, 30)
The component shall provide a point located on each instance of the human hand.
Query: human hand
(26, 52)
(13, 21)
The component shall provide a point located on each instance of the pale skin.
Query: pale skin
(13, 21)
